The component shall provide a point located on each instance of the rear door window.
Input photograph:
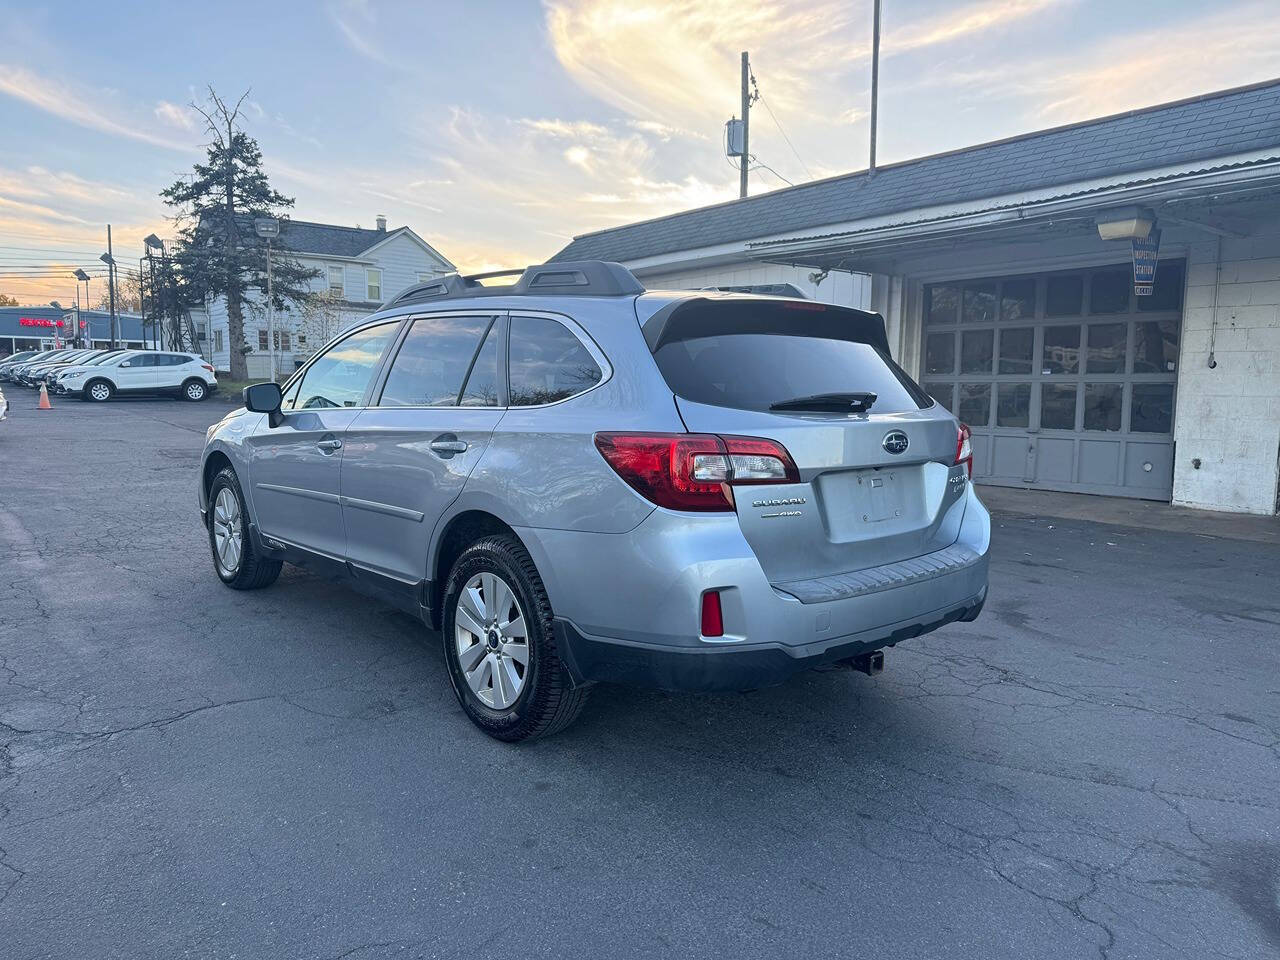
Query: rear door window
(434, 362)
(548, 362)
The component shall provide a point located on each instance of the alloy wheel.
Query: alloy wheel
(100, 391)
(195, 391)
(228, 544)
(492, 640)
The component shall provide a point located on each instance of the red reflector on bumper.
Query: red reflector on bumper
(712, 621)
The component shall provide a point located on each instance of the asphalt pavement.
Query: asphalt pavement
(1089, 770)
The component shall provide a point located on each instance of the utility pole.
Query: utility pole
(745, 159)
(875, 81)
(111, 286)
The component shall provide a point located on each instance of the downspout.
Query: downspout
(1213, 321)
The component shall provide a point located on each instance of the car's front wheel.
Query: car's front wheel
(98, 391)
(194, 390)
(237, 563)
(499, 645)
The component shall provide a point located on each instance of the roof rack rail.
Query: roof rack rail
(579, 278)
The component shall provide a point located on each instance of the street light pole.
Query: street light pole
(271, 317)
(86, 334)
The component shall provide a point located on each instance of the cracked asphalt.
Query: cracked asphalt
(1090, 770)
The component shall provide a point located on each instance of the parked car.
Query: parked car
(13, 360)
(36, 374)
(184, 375)
(56, 378)
(25, 373)
(577, 480)
(4, 406)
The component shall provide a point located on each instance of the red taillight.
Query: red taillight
(207, 367)
(690, 471)
(712, 619)
(964, 448)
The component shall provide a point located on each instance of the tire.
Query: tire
(194, 390)
(546, 701)
(228, 518)
(103, 389)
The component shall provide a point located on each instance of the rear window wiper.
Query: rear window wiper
(842, 402)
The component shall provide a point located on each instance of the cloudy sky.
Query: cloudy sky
(498, 129)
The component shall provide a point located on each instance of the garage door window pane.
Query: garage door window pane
(942, 392)
(1167, 294)
(1102, 403)
(1061, 350)
(1109, 292)
(979, 303)
(943, 305)
(1058, 406)
(1018, 299)
(1155, 347)
(1063, 296)
(1014, 408)
(1015, 349)
(940, 353)
(975, 404)
(975, 351)
(1152, 408)
(1106, 347)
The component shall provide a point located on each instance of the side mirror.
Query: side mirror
(127, 363)
(264, 398)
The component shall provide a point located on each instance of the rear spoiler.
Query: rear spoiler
(694, 317)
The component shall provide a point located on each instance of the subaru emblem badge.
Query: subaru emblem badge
(895, 441)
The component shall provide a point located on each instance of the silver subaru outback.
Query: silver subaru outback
(577, 480)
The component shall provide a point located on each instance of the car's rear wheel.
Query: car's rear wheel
(194, 390)
(499, 645)
(235, 560)
(98, 391)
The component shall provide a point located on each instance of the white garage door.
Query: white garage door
(1066, 379)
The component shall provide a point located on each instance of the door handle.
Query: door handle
(328, 446)
(447, 445)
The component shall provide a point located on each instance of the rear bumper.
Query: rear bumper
(711, 669)
(627, 605)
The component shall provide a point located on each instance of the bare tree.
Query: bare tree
(320, 318)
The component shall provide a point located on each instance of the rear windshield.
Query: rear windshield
(752, 371)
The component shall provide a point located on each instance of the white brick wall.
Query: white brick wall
(1228, 417)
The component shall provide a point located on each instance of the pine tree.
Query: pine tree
(219, 253)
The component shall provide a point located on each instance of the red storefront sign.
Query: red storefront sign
(38, 322)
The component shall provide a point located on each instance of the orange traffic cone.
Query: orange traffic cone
(44, 403)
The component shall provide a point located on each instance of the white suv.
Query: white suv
(140, 371)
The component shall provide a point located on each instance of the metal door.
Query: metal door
(1066, 379)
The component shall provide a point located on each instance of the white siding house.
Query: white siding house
(362, 269)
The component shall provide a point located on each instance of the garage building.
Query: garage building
(1005, 273)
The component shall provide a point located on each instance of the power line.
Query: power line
(760, 97)
(765, 166)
